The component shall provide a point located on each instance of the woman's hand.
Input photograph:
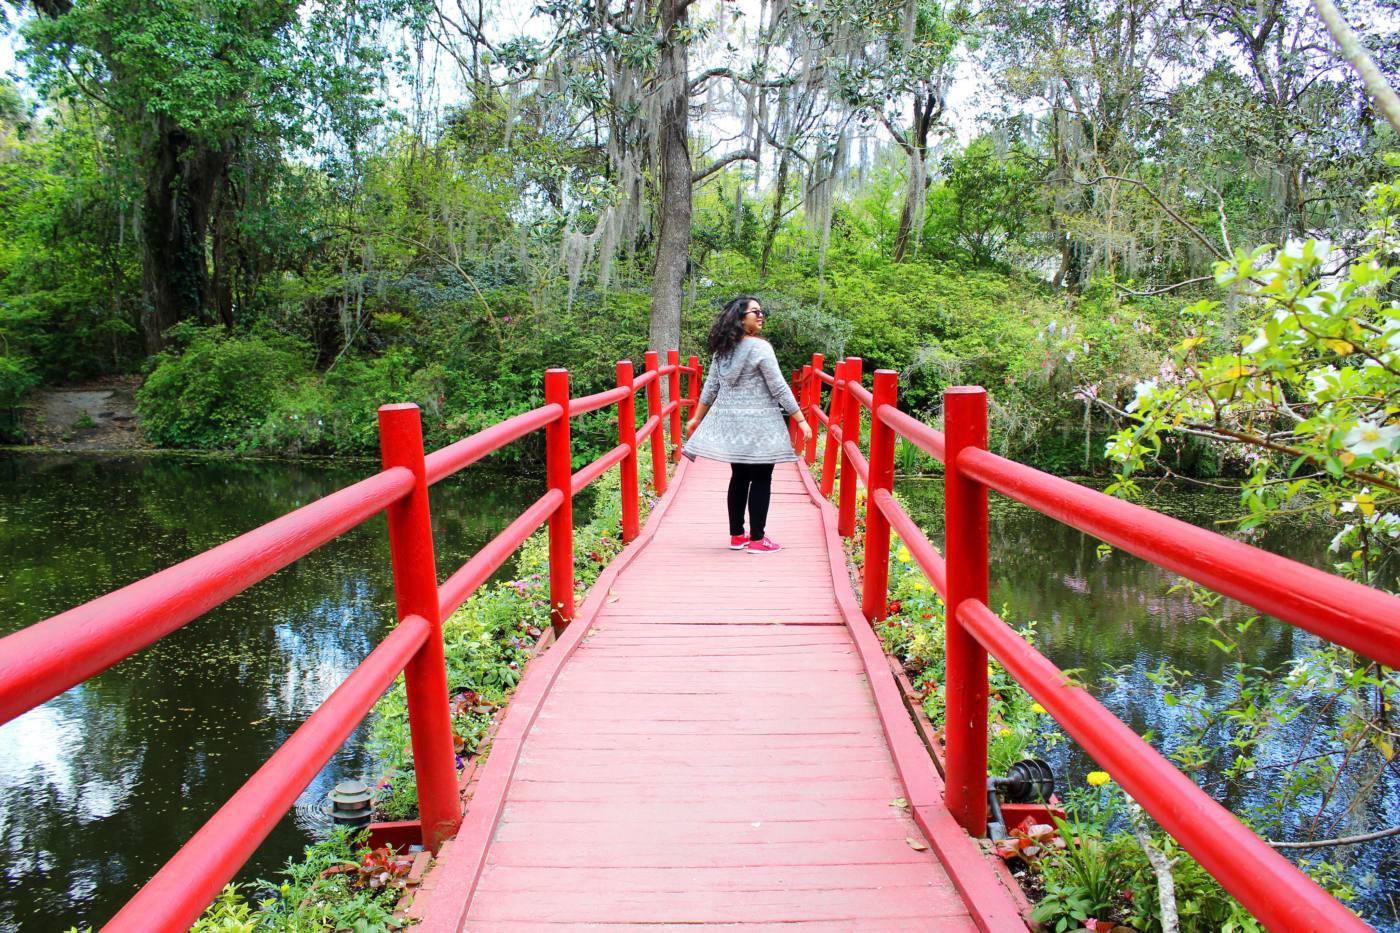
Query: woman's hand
(691, 425)
(806, 433)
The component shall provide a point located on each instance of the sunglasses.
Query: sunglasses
(759, 313)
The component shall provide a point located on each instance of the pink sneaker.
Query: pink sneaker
(738, 542)
(764, 545)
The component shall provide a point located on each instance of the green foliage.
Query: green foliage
(218, 389)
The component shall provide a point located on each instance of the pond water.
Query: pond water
(1101, 616)
(101, 785)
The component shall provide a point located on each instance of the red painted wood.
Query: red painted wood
(39, 662)
(1273, 889)
(833, 423)
(456, 879)
(876, 568)
(558, 470)
(655, 431)
(850, 439)
(991, 905)
(677, 753)
(627, 435)
(442, 463)
(179, 892)
(883, 925)
(965, 509)
(1361, 618)
(673, 359)
(416, 594)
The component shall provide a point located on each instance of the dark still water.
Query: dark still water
(99, 786)
(1116, 615)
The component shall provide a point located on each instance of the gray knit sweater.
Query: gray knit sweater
(748, 400)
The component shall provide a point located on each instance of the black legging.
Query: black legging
(751, 483)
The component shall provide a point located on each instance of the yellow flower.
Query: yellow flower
(1003, 731)
(1098, 778)
(920, 584)
(1037, 708)
(903, 555)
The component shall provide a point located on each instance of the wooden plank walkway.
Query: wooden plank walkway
(712, 755)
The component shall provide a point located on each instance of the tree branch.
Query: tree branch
(1190, 227)
(715, 166)
(1382, 94)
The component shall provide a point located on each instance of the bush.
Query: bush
(217, 391)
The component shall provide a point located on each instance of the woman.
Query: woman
(745, 398)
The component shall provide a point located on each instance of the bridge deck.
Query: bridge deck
(711, 754)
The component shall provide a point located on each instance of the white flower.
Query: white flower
(1142, 391)
(1258, 343)
(1367, 438)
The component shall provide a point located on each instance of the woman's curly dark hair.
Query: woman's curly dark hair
(728, 328)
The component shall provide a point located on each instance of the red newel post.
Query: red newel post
(965, 425)
(673, 381)
(833, 419)
(876, 576)
(811, 404)
(850, 431)
(627, 434)
(416, 593)
(694, 385)
(658, 437)
(558, 474)
(802, 392)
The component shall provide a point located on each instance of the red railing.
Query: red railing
(1362, 619)
(45, 659)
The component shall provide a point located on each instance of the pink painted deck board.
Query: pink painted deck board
(711, 754)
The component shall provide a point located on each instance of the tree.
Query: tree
(189, 89)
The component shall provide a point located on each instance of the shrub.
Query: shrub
(218, 390)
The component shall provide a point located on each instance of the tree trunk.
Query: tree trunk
(776, 221)
(182, 176)
(674, 208)
(917, 150)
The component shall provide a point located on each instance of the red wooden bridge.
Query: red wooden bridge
(714, 738)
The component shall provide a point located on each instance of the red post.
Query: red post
(694, 385)
(833, 417)
(658, 437)
(416, 593)
(812, 403)
(801, 392)
(673, 358)
(627, 434)
(965, 518)
(876, 576)
(850, 431)
(558, 474)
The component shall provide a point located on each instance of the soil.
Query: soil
(97, 415)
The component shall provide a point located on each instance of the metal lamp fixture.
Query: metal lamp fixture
(350, 804)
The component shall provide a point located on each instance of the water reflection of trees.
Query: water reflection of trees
(137, 758)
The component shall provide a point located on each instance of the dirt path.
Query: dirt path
(99, 415)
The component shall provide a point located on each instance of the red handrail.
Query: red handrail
(41, 661)
(47, 658)
(457, 456)
(178, 893)
(1358, 617)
